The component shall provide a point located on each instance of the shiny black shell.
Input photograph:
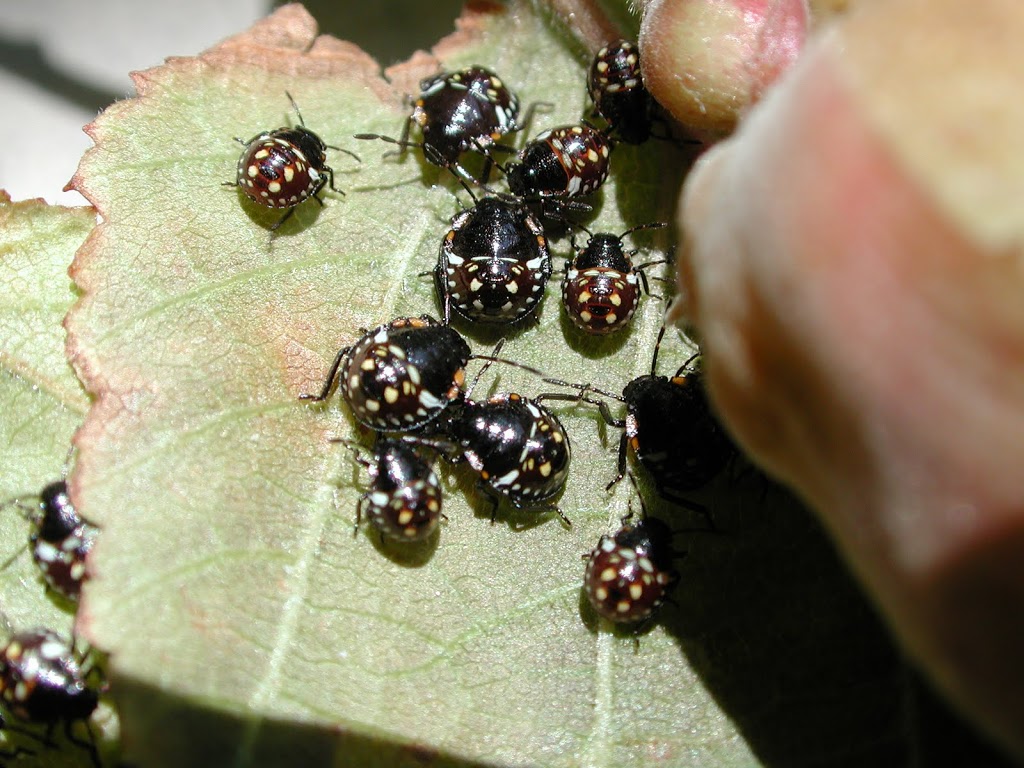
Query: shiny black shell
(494, 263)
(61, 541)
(41, 681)
(403, 374)
(281, 168)
(59, 518)
(616, 86)
(458, 111)
(629, 573)
(518, 447)
(404, 499)
(567, 161)
(674, 433)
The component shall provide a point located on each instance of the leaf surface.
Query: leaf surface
(44, 403)
(245, 623)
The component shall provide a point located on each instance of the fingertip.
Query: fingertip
(696, 217)
(707, 61)
(852, 262)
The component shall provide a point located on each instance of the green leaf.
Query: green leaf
(44, 402)
(245, 622)
(43, 405)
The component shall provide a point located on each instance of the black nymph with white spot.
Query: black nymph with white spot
(401, 375)
(601, 289)
(60, 540)
(616, 86)
(403, 501)
(493, 263)
(563, 162)
(42, 681)
(669, 426)
(673, 431)
(284, 167)
(629, 573)
(517, 446)
(469, 109)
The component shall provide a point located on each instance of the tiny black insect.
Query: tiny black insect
(400, 375)
(601, 289)
(404, 498)
(493, 264)
(42, 681)
(60, 540)
(669, 426)
(564, 162)
(517, 446)
(458, 111)
(284, 167)
(617, 88)
(673, 431)
(629, 573)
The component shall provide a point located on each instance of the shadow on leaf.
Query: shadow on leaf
(786, 643)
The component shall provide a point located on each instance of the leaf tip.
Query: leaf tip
(290, 26)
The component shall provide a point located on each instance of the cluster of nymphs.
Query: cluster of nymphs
(494, 261)
(405, 380)
(45, 679)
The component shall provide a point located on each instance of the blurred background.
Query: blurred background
(62, 61)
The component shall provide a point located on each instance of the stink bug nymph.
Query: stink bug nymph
(60, 539)
(401, 375)
(468, 109)
(629, 573)
(568, 161)
(669, 426)
(493, 263)
(617, 88)
(284, 167)
(42, 681)
(404, 499)
(673, 431)
(601, 289)
(517, 446)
